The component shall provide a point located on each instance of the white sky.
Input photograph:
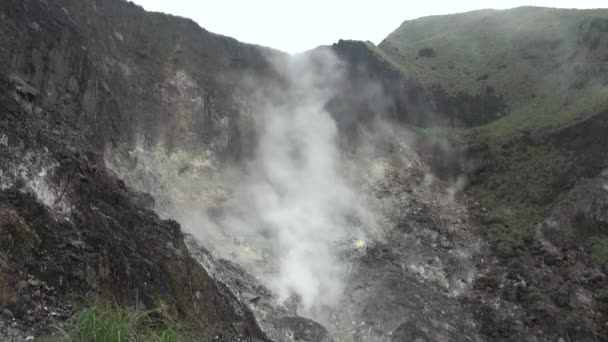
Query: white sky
(295, 26)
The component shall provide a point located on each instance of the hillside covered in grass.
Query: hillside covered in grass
(526, 90)
(548, 65)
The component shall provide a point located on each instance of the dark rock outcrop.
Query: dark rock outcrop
(378, 88)
(75, 78)
(117, 73)
(70, 230)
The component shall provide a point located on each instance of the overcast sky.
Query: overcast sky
(295, 26)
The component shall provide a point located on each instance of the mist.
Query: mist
(295, 200)
(289, 209)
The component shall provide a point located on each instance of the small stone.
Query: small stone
(596, 277)
(505, 250)
(7, 314)
(78, 244)
(21, 285)
(445, 244)
(520, 284)
(33, 282)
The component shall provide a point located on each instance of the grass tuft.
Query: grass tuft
(106, 323)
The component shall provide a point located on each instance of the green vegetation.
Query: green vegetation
(549, 66)
(546, 63)
(542, 115)
(517, 185)
(525, 175)
(599, 251)
(105, 323)
(510, 225)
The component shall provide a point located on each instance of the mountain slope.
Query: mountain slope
(537, 163)
(549, 69)
(78, 77)
(110, 115)
(546, 64)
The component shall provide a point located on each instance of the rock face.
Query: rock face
(123, 73)
(70, 229)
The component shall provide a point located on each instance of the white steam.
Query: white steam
(290, 209)
(296, 189)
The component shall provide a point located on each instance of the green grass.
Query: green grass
(511, 225)
(531, 56)
(508, 220)
(548, 115)
(106, 323)
(488, 41)
(517, 186)
(515, 182)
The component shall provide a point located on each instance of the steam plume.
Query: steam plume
(296, 190)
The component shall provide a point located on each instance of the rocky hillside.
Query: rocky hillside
(461, 165)
(77, 77)
(536, 142)
(547, 69)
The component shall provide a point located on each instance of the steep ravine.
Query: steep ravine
(405, 280)
(259, 196)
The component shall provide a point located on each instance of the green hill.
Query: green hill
(547, 64)
(549, 68)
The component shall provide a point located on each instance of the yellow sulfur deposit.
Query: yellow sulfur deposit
(360, 244)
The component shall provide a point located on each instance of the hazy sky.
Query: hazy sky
(295, 26)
